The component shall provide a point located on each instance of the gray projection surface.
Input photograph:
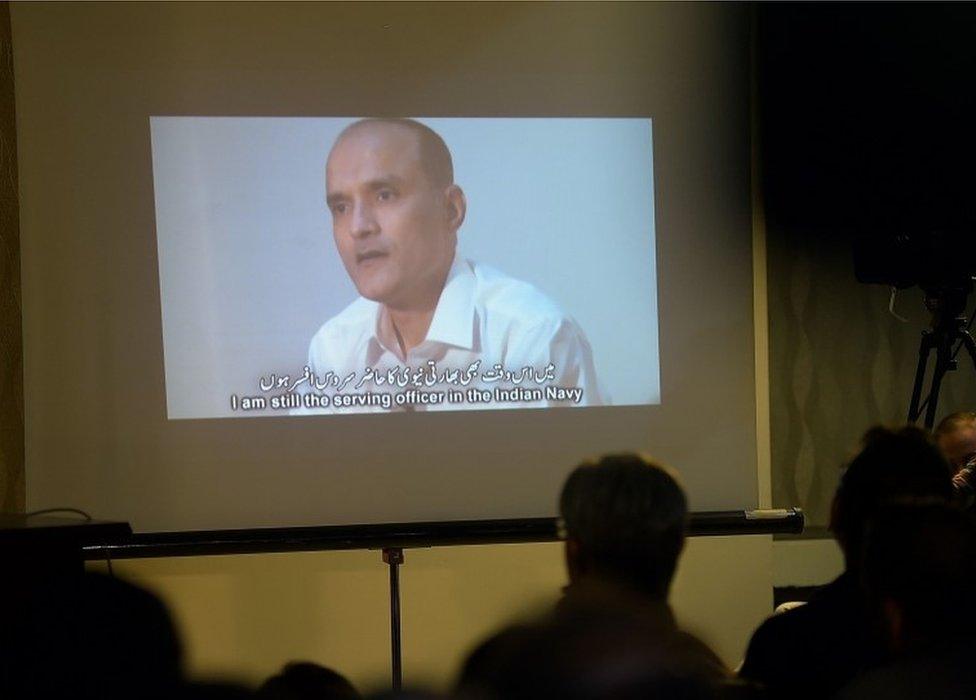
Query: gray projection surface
(89, 77)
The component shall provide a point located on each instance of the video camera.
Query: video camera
(934, 260)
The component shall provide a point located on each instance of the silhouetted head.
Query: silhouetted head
(624, 518)
(94, 638)
(919, 567)
(894, 467)
(304, 680)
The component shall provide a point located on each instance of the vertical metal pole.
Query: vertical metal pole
(393, 556)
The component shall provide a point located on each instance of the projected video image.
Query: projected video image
(336, 265)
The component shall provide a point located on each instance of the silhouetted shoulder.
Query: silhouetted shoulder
(815, 649)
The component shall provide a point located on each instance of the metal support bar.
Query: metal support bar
(393, 556)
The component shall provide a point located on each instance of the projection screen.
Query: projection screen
(254, 295)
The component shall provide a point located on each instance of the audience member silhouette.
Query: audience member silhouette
(613, 635)
(814, 650)
(92, 638)
(588, 652)
(919, 567)
(211, 690)
(304, 680)
(624, 520)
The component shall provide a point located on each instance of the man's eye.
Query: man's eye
(385, 195)
(339, 208)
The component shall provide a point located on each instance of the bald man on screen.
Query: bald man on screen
(396, 212)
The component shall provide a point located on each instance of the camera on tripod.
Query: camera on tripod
(943, 264)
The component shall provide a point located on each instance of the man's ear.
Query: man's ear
(457, 206)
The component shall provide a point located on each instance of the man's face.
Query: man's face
(959, 446)
(393, 227)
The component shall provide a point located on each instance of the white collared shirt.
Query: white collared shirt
(482, 316)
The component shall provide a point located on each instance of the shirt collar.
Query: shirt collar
(453, 322)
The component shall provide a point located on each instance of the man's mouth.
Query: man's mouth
(368, 256)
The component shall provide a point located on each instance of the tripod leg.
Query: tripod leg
(942, 365)
(970, 344)
(924, 346)
(944, 362)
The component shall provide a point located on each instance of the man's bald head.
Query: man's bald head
(395, 210)
(432, 152)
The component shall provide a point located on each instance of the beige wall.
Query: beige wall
(806, 562)
(244, 616)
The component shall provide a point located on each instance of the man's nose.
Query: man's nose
(363, 220)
